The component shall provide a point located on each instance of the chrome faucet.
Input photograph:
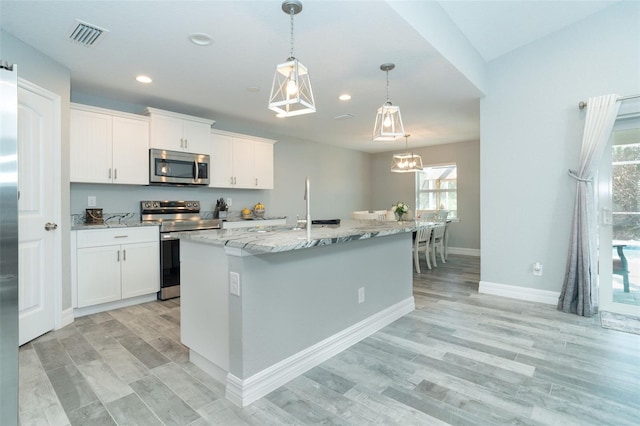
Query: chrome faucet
(307, 197)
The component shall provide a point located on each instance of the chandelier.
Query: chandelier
(388, 123)
(407, 162)
(291, 92)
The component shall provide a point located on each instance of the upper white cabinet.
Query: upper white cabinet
(240, 161)
(179, 132)
(108, 146)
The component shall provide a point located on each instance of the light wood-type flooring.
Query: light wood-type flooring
(460, 358)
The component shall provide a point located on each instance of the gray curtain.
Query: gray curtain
(579, 293)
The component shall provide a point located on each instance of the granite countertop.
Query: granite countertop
(274, 239)
(112, 224)
(111, 220)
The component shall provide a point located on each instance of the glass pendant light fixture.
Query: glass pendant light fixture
(407, 162)
(388, 123)
(291, 92)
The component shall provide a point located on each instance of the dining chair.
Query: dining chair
(360, 215)
(421, 243)
(428, 216)
(381, 214)
(437, 243)
(446, 241)
(441, 215)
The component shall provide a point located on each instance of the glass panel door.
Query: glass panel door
(619, 220)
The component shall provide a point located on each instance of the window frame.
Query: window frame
(438, 191)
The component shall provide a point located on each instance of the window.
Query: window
(437, 189)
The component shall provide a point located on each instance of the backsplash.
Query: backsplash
(116, 218)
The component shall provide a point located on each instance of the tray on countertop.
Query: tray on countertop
(325, 222)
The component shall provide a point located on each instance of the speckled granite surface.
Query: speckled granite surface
(111, 220)
(282, 238)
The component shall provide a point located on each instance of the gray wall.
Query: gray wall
(45, 72)
(531, 131)
(388, 188)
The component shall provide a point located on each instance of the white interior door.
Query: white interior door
(619, 217)
(38, 205)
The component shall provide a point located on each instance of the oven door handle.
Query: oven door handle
(168, 236)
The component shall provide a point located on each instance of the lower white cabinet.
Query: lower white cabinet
(115, 264)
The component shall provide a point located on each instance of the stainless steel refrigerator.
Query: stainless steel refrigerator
(8, 244)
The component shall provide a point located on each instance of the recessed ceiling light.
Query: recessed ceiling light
(144, 79)
(201, 39)
(253, 89)
(344, 97)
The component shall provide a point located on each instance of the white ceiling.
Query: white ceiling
(343, 43)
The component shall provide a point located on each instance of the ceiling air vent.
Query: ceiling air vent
(87, 34)
(343, 116)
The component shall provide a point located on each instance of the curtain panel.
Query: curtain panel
(579, 293)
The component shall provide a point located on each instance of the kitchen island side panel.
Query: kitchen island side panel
(292, 300)
(204, 303)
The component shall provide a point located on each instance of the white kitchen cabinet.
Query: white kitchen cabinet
(108, 146)
(179, 132)
(115, 264)
(263, 164)
(239, 161)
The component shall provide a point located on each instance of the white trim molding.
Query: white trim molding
(244, 392)
(464, 251)
(94, 309)
(66, 318)
(521, 293)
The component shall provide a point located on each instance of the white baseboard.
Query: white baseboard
(464, 251)
(521, 293)
(243, 392)
(207, 366)
(66, 318)
(80, 312)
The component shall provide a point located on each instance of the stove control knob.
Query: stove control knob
(156, 204)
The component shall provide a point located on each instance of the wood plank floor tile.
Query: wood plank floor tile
(461, 358)
(131, 411)
(166, 405)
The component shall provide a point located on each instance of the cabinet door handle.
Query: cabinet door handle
(121, 236)
(124, 254)
(186, 143)
(115, 174)
(118, 256)
(231, 180)
(109, 172)
(256, 181)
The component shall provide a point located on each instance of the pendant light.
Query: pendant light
(388, 123)
(291, 92)
(407, 162)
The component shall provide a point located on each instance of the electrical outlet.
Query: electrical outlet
(92, 201)
(361, 295)
(234, 283)
(229, 200)
(537, 269)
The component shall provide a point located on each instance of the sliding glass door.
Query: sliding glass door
(619, 219)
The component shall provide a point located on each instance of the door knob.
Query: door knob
(50, 226)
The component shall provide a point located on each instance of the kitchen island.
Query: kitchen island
(261, 306)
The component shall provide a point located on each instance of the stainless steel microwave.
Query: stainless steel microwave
(178, 168)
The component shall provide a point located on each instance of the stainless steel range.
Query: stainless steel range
(175, 216)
